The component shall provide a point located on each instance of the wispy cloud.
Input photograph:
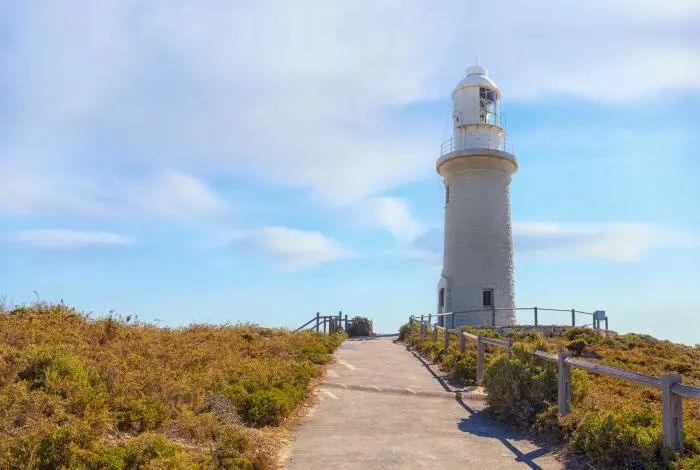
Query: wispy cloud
(621, 242)
(165, 194)
(616, 242)
(250, 100)
(388, 213)
(293, 249)
(62, 240)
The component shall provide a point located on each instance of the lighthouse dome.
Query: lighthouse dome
(477, 76)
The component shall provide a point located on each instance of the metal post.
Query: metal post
(480, 349)
(462, 342)
(671, 413)
(346, 322)
(535, 316)
(573, 317)
(564, 389)
(317, 319)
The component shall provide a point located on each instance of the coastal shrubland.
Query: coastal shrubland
(613, 423)
(113, 393)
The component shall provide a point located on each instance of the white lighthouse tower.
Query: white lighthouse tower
(477, 272)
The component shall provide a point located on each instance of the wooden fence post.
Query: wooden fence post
(573, 317)
(508, 354)
(493, 313)
(325, 323)
(671, 413)
(480, 349)
(423, 329)
(430, 318)
(346, 322)
(564, 379)
(317, 322)
(340, 320)
(535, 309)
(453, 319)
(606, 323)
(446, 341)
(462, 342)
(435, 334)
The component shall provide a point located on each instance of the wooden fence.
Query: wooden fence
(328, 323)
(672, 390)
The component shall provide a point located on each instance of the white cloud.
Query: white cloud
(60, 240)
(175, 195)
(306, 95)
(165, 194)
(621, 242)
(293, 249)
(617, 242)
(391, 214)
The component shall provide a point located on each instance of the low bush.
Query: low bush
(360, 326)
(624, 438)
(118, 394)
(520, 388)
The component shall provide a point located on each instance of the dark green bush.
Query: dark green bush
(360, 326)
(577, 346)
(520, 388)
(266, 407)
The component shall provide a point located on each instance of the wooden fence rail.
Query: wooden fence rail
(672, 390)
(328, 323)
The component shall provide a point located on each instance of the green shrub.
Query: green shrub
(266, 407)
(137, 416)
(621, 438)
(360, 326)
(57, 371)
(464, 369)
(520, 388)
(316, 353)
(230, 449)
(577, 346)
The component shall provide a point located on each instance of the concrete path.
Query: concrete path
(384, 426)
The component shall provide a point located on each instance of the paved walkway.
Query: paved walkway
(375, 423)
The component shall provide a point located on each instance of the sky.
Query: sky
(259, 161)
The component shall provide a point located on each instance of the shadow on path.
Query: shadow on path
(480, 424)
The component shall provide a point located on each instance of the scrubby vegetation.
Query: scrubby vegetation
(613, 423)
(360, 326)
(115, 393)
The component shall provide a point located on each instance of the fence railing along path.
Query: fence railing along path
(597, 318)
(328, 323)
(672, 390)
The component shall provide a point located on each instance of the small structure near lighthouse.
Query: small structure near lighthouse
(477, 272)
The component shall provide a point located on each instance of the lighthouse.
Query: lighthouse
(477, 269)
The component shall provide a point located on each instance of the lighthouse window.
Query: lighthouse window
(487, 297)
(487, 106)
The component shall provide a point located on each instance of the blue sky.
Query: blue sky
(260, 161)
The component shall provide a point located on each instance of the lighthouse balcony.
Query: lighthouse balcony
(471, 142)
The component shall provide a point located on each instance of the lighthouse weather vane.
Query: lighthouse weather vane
(477, 272)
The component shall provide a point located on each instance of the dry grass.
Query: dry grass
(114, 393)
